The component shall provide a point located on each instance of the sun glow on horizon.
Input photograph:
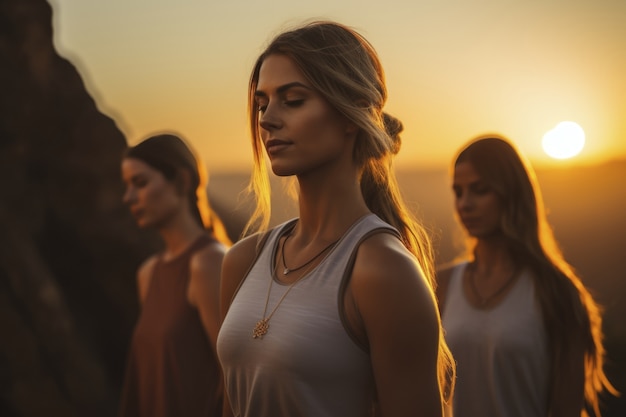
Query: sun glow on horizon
(564, 141)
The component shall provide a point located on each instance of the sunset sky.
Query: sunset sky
(455, 69)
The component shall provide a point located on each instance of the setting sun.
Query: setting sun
(566, 140)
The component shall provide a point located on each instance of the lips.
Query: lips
(136, 212)
(274, 146)
(469, 222)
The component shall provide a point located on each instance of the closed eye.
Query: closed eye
(294, 103)
(261, 107)
(481, 189)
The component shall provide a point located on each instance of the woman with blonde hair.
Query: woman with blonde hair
(524, 330)
(172, 367)
(331, 313)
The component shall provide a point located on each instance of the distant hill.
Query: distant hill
(586, 207)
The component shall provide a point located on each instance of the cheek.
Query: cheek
(457, 207)
(156, 197)
(323, 122)
(457, 203)
(313, 125)
(496, 211)
(150, 195)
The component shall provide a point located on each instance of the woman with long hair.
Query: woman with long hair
(333, 312)
(172, 367)
(524, 330)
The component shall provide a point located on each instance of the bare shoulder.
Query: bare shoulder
(237, 261)
(383, 254)
(209, 257)
(204, 285)
(241, 255)
(386, 271)
(144, 275)
(205, 266)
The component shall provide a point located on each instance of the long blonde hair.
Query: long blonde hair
(568, 308)
(344, 68)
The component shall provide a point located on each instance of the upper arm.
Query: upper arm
(399, 316)
(144, 276)
(204, 286)
(235, 266)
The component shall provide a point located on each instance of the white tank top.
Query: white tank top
(501, 353)
(306, 364)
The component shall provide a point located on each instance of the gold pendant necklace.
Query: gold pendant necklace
(262, 326)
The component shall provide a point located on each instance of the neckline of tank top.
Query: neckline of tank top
(521, 274)
(184, 252)
(289, 228)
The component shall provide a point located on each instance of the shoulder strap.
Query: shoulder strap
(260, 244)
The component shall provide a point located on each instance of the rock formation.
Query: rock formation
(68, 248)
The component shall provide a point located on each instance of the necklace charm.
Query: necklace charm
(260, 328)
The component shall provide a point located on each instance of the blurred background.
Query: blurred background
(454, 68)
(82, 79)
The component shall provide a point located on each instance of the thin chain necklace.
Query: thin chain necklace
(484, 301)
(287, 270)
(262, 326)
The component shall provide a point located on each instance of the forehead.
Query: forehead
(277, 70)
(133, 167)
(464, 172)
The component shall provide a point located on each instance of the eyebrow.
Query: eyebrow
(471, 184)
(283, 88)
(136, 177)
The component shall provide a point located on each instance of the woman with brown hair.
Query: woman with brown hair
(524, 330)
(172, 367)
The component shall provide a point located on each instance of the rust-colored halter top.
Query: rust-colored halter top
(172, 370)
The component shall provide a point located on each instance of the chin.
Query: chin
(474, 232)
(282, 171)
(484, 234)
(143, 223)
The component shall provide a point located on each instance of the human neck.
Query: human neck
(492, 257)
(177, 238)
(327, 221)
(330, 205)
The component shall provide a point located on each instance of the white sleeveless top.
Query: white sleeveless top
(501, 353)
(306, 364)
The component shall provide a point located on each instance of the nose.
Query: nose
(464, 201)
(128, 195)
(269, 119)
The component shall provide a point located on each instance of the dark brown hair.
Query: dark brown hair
(569, 310)
(168, 154)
